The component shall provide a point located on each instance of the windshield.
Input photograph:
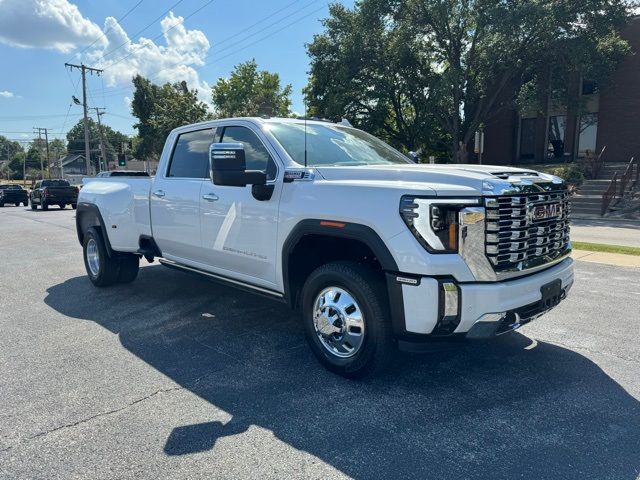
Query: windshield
(334, 145)
(55, 183)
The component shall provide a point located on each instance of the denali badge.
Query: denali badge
(544, 212)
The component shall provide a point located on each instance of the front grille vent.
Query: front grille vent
(525, 231)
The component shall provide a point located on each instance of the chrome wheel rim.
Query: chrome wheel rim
(338, 322)
(93, 257)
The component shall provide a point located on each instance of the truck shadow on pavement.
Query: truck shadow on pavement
(496, 410)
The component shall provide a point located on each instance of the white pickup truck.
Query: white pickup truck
(374, 250)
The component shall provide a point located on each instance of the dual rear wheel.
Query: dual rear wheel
(104, 269)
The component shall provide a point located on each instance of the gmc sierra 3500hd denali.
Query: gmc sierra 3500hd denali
(376, 251)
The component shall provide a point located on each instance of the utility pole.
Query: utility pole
(83, 68)
(46, 136)
(103, 151)
(39, 144)
(46, 140)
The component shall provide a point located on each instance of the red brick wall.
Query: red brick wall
(619, 117)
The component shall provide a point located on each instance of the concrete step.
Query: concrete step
(585, 211)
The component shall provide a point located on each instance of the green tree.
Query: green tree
(113, 140)
(249, 92)
(57, 148)
(160, 109)
(458, 61)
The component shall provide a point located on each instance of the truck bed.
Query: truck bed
(124, 204)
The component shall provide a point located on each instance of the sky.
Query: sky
(166, 40)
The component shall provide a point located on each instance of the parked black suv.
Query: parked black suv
(13, 194)
(53, 192)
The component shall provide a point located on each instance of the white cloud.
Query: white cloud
(121, 57)
(6, 94)
(51, 24)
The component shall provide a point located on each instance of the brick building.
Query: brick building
(608, 116)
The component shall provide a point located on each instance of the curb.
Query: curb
(615, 259)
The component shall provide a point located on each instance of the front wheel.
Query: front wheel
(34, 206)
(44, 205)
(74, 205)
(62, 206)
(346, 319)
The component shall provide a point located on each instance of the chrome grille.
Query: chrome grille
(517, 238)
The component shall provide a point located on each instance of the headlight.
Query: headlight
(434, 221)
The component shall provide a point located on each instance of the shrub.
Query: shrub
(573, 174)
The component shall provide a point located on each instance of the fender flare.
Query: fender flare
(88, 215)
(336, 229)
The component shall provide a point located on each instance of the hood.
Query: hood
(443, 179)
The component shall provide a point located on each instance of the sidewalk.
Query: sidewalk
(607, 231)
(616, 259)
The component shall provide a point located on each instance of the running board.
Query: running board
(224, 280)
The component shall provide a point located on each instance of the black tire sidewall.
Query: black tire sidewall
(357, 280)
(108, 269)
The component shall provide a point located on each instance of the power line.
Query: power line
(139, 32)
(226, 39)
(104, 34)
(139, 47)
(200, 67)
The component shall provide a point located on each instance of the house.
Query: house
(72, 164)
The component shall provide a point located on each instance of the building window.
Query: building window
(557, 129)
(589, 87)
(588, 134)
(528, 138)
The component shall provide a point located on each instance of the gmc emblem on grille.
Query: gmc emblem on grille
(544, 212)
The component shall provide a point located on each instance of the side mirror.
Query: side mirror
(228, 166)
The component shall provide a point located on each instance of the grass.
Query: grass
(601, 247)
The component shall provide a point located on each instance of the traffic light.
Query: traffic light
(122, 160)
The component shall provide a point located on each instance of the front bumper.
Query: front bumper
(425, 308)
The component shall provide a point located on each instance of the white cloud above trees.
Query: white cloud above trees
(50, 24)
(174, 60)
(171, 56)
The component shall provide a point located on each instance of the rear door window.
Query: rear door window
(190, 158)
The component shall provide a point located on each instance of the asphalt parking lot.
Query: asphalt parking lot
(176, 377)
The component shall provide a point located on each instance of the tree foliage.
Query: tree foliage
(160, 109)
(75, 141)
(249, 92)
(425, 72)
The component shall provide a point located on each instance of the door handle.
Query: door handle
(158, 193)
(210, 197)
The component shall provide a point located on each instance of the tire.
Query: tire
(25, 204)
(101, 268)
(44, 205)
(129, 266)
(369, 346)
(62, 206)
(17, 204)
(34, 206)
(74, 205)
(1, 204)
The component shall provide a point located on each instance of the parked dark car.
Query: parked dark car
(53, 192)
(13, 194)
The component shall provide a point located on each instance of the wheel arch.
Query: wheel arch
(346, 241)
(88, 215)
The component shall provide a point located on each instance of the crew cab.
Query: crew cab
(13, 194)
(53, 192)
(374, 250)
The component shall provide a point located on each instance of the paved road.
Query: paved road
(612, 232)
(175, 377)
